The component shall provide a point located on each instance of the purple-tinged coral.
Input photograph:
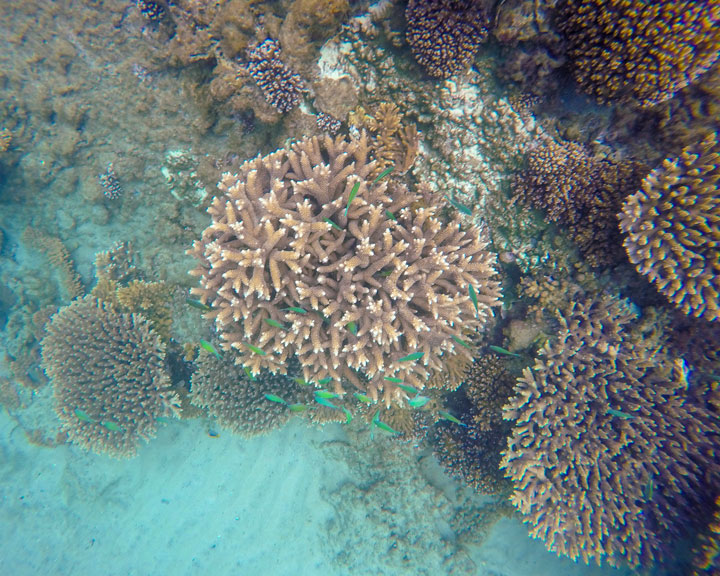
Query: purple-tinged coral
(109, 376)
(281, 86)
(672, 228)
(609, 459)
(445, 34)
(111, 186)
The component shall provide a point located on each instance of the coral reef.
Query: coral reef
(59, 257)
(109, 377)
(579, 191)
(281, 86)
(630, 50)
(359, 279)
(239, 404)
(608, 457)
(445, 34)
(672, 228)
(5, 139)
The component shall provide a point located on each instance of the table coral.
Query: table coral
(630, 50)
(108, 375)
(608, 459)
(672, 228)
(360, 279)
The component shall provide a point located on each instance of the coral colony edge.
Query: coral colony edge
(466, 250)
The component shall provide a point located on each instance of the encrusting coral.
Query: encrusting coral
(108, 375)
(445, 34)
(672, 228)
(359, 279)
(631, 50)
(608, 457)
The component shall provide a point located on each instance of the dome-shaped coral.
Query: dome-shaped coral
(108, 374)
(672, 228)
(358, 278)
(607, 457)
(632, 50)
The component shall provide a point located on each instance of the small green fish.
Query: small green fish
(382, 425)
(619, 414)
(459, 207)
(113, 427)
(411, 357)
(386, 273)
(503, 351)
(255, 349)
(274, 398)
(274, 323)
(409, 389)
(363, 398)
(210, 348)
(450, 417)
(324, 381)
(297, 407)
(473, 298)
(384, 173)
(302, 381)
(348, 415)
(352, 328)
(418, 401)
(83, 415)
(333, 224)
(649, 490)
(390, 215)
(462, 342)
(393, 379)
(325, 394)
(353, 193)
(325, 402)
(197, 304)
(296, 309)
(249, 374)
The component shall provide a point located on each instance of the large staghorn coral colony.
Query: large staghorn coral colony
(360, 279)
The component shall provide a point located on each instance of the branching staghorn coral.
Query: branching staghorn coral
(109, 377)
(359, 279)
(631, 50)
(608, 458)
(672, 228)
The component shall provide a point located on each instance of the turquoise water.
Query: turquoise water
(116, 128)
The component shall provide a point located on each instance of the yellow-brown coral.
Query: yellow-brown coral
(607, 458)
(631, 50)
(58, 255)
(365, 290)
(672, 228)
(109, 377)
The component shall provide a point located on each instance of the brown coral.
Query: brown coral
(365, 290)
(707, 557)
(59, 257)
(607, 458)
(109, 377)
(580, 191)
(445, 34)
(631, 50)
(238, 403)
(672, 228)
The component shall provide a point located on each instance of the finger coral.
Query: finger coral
(630, 50)
(607, 458)
(707, 560)
(672, 228)
(109, 377)
(445, 34)
(361, 280)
